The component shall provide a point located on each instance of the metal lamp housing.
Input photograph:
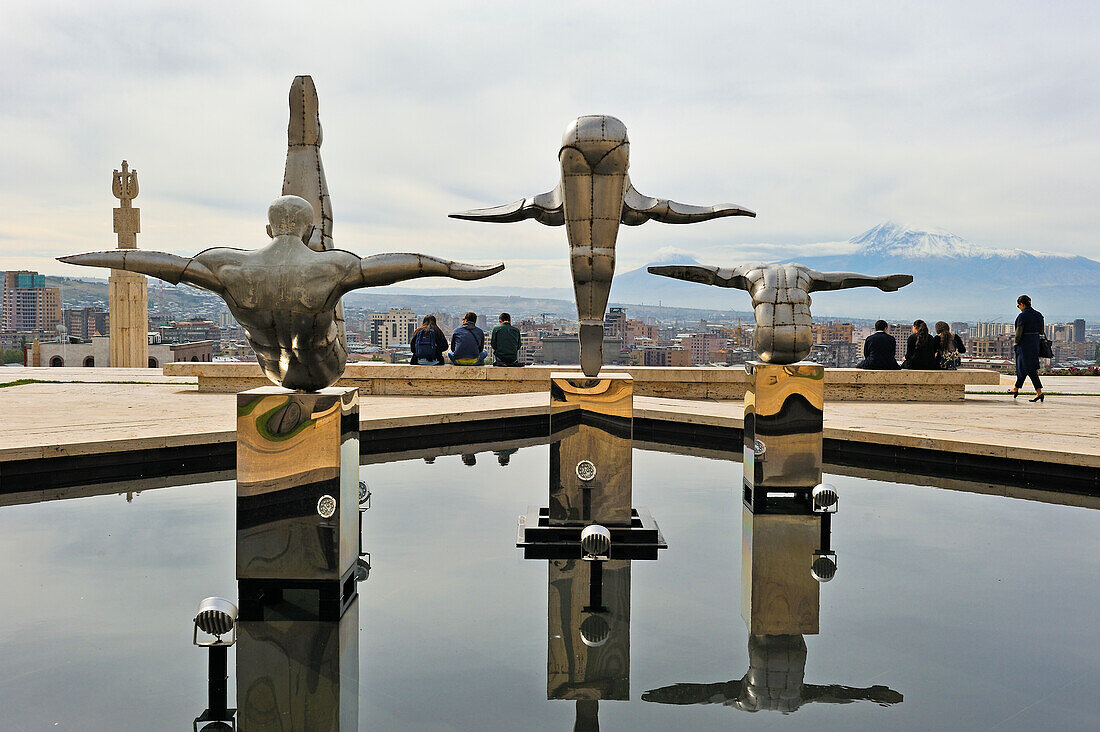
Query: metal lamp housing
(825, 498)
(216, 616)
(596, 542)
(823, 567)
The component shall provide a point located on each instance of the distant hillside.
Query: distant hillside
(953, 280)
(83, 291)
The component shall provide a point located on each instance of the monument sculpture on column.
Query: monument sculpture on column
(593, 197)
(785, 399)
(127, 292)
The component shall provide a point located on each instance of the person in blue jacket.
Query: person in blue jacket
(1029, 329)
(427, 344)
(468, 343)
(879, 349)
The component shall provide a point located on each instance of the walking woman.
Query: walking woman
(1029, 329)
(920, 349)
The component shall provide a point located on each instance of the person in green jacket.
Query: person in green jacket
(505, 342)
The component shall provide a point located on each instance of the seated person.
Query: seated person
(949, 347)
(427, 344)
(468, 343)
(505, 342)
(879, 349)
(920, 349)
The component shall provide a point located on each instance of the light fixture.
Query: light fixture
(823, 567)
(586, 470)
(596, 542)
(216, 617)
(825, 498)
(595, 630)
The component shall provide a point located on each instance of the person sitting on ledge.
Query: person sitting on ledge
(920, 349)
(505, 342)
(427, 344)
(879, 349)
(468, 343)
(949, 347)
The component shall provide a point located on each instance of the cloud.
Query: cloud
(826, 120)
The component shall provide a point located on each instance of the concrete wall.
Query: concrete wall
(677, 383)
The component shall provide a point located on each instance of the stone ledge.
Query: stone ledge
(678, 383)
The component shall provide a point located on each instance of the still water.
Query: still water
(976, 611)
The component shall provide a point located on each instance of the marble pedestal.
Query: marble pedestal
(783, 427)
(297, 502)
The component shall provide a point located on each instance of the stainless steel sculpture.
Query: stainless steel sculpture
(780, 299)
(592, 199)
(285, 294)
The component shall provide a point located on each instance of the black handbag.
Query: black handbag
(1045, 349)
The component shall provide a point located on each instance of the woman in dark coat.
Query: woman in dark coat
(1029, 329)
(427, 344)
(949, 347)
(920, 349)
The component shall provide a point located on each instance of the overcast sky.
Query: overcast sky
(825, 118)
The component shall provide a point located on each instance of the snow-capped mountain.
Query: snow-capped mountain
(954, 279)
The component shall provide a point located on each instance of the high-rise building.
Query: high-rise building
(701, 345)
(86, 322)
(393, 327)
(614, 323)
(833, 332)
(28, 305)
(1079, 330)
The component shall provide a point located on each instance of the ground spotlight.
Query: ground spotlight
(823, 567)
(216, 617)
(595, 630)
(596, 542)
(825, 498)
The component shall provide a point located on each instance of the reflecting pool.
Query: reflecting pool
(949, 609)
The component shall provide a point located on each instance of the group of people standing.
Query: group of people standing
(922, 349)
(467, 347)
(944, 349)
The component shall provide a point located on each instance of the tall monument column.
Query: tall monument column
(127, 291)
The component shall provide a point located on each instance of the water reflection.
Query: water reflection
(299, 675)
(785, 556)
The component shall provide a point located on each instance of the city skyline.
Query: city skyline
(978, 120)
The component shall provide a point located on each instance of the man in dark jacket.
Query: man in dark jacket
(505, 342)
(468, 343)
(879, 349)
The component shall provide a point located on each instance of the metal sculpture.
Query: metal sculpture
(592, 199)
(285, 294)
(780, 299)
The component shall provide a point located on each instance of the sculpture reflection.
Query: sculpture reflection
(780, 604)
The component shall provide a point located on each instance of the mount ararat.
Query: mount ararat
(953, 280)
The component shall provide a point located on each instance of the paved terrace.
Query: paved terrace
(110, 410)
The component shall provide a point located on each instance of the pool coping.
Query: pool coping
(656, 421)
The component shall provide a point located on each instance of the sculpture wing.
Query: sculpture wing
(162, 265)
(695, 693)
(836, 694)
(385, 269)
(718, 276)
(638, 209)
(844, 280)
(546, 208)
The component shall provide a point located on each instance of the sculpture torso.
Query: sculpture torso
(285, 297)
(781, 303)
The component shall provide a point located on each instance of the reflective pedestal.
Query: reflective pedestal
(591, 439)
(783, 425)
(299, 675)
(588, 635)
(779, 595)
(297, 502)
